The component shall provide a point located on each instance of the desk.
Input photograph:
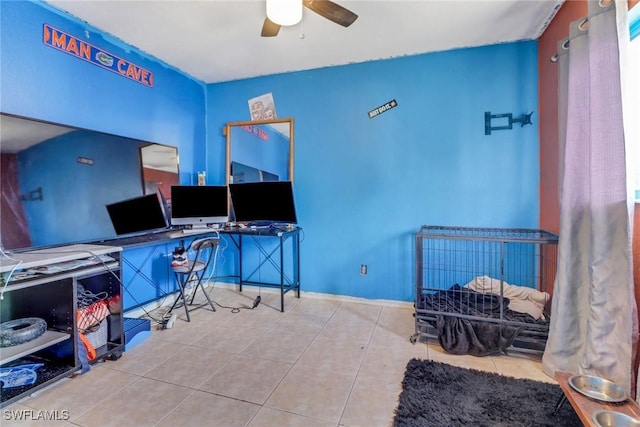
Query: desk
(273, 255)
(585, 407)
(283, 257)
(147, 274)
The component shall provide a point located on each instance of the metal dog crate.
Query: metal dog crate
(448, 259)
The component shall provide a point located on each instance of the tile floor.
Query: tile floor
(321, 363)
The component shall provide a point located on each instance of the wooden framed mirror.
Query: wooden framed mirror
(259, 150)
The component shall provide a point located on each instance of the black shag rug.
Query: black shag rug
(435, 394)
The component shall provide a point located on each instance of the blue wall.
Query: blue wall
(364, 186)
(40, 82)
(72, 190)
(268, 153)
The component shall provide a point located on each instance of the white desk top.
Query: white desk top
(54, 255)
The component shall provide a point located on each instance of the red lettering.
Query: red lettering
(59, 39)
(131, 73)
(75, 46)
(72, 46)
(46, 34)
(85, 51)
(121, 64)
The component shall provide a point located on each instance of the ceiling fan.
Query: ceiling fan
(325, 8)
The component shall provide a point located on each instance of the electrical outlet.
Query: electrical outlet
(363, 269)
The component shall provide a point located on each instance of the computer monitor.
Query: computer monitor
(138, 214)
(199, 205)
(263, 202)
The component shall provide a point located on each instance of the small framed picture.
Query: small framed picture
(262, 107)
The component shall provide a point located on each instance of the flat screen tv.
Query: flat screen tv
(55, 181)
(263, 202)
(138, 214)
(199, 205)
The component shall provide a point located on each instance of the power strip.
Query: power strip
(168, 323)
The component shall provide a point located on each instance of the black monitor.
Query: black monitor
(264, 202)
(143, 213)
(199, 205)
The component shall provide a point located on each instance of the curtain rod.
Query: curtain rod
(583, 26)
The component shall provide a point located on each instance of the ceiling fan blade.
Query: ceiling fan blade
(269, 28)
(332, 11)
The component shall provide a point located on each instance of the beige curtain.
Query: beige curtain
(593, 321)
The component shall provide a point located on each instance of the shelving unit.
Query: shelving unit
(52, 296)
(9, 354)
(109, 284)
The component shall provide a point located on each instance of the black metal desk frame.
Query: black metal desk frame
(154, 241)
(275, 257)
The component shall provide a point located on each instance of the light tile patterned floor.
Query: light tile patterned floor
(321, 363)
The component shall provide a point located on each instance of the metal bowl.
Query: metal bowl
(598, 388)
(614, 419)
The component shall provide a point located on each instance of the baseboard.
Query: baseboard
(330, 297)
(167, 301)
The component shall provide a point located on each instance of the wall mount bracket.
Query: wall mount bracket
(32, 195)
(525, 119)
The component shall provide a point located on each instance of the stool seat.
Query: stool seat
(192, 273)
(192, 266)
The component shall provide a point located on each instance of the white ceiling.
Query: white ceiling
(216, 40)
(15, 136)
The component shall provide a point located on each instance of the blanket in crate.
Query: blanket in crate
(461, 335)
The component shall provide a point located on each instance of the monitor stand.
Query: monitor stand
(195, 229)
(260, 224)
(201, 227)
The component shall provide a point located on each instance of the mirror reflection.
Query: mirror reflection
(260, 150)
(159, 168)
(56, 180)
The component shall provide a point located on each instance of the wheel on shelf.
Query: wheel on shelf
(20, 331)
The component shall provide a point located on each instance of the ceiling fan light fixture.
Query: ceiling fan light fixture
(284, 12)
